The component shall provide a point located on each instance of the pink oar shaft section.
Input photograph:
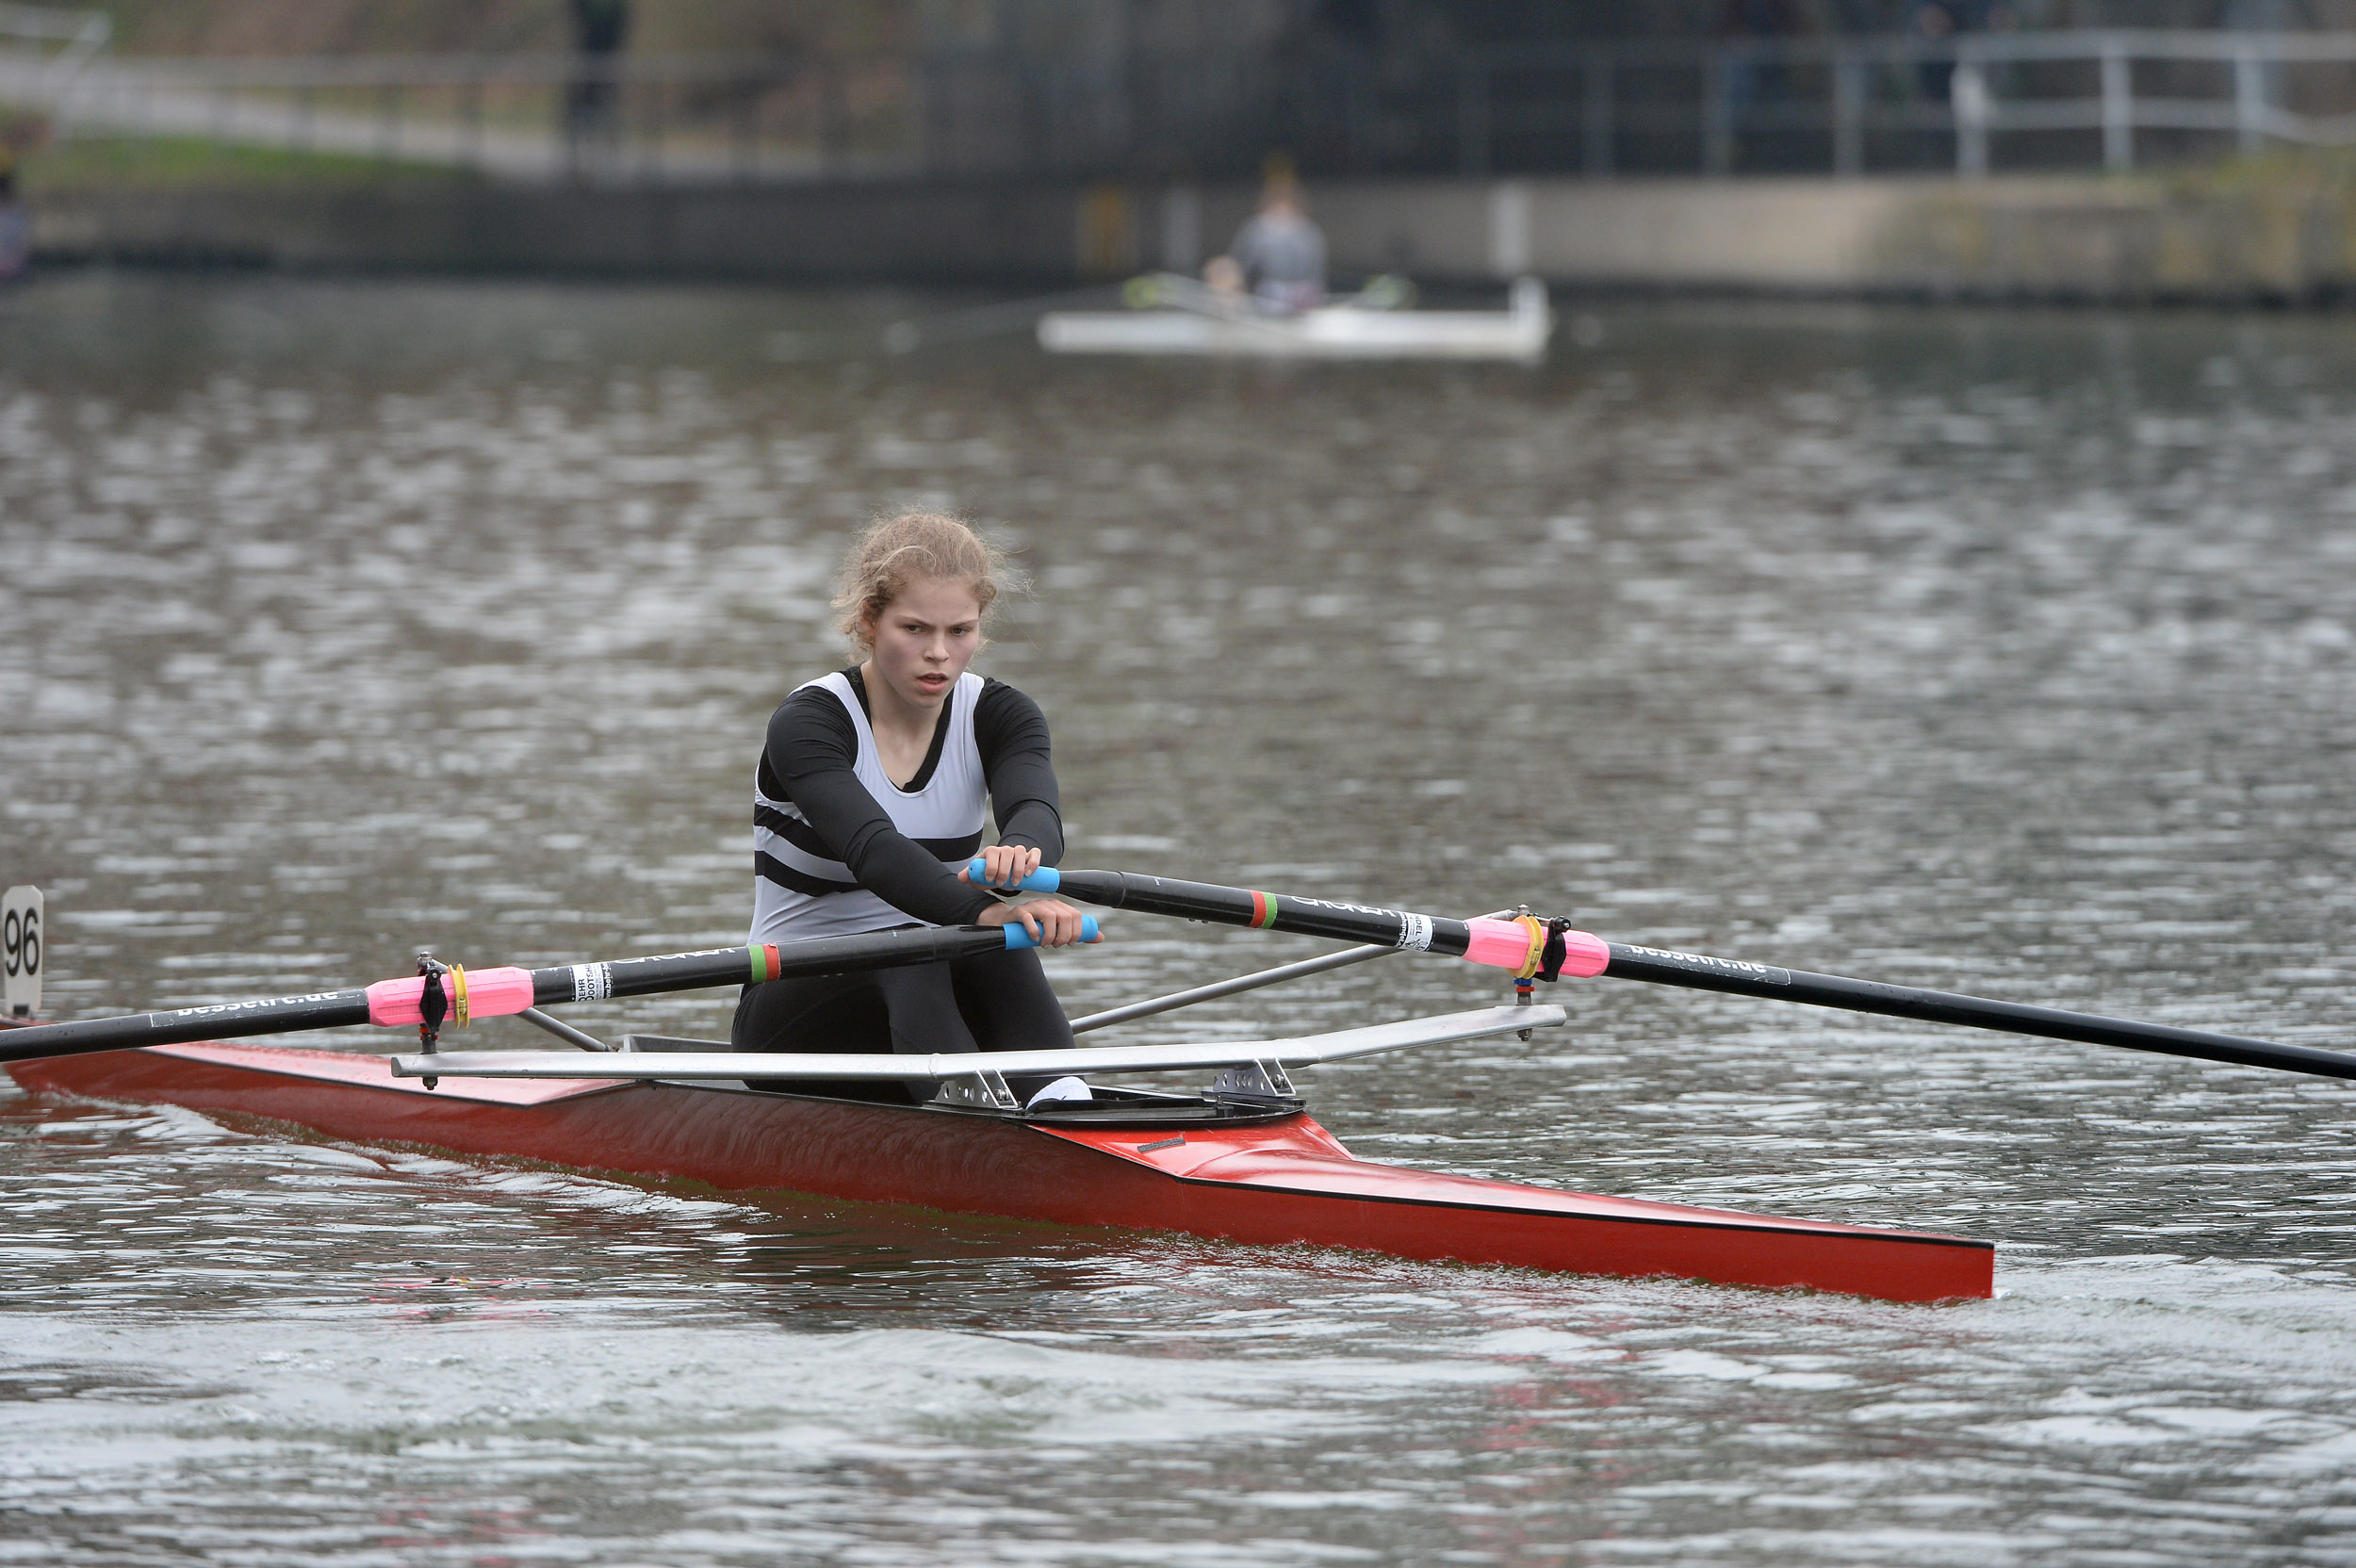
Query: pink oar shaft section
(490, 994)
(1505, 944)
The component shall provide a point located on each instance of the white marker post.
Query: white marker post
(21, 943)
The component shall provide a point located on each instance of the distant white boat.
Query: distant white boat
(1188, 318)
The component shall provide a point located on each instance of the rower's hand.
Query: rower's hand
(1005, 866)
(1051, 921)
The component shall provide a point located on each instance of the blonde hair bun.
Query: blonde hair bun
(915, 547)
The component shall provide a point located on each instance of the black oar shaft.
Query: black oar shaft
(1307, 917)
(730, 966)
(222, 1020)
(1695, 970)
(1699, 971)
(564, 983)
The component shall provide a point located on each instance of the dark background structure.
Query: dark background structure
(1204, 89)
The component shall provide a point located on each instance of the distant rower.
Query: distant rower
(1279, 254)
(872, 792)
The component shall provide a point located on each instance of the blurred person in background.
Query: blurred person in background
(1750, 78)
(1278, 256)
(1938, 21)
(16, 224)
(592, 99)
(1941, 20)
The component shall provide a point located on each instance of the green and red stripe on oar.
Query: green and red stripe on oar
(1529, 947)
(467, 994)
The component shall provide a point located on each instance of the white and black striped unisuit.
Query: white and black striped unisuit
(801, 892)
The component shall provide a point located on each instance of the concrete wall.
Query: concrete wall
(2281, 239)
(2290, 236)
(915, 233)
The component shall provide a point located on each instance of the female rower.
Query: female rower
(870, 799)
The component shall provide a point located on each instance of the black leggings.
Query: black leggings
(998, 1002)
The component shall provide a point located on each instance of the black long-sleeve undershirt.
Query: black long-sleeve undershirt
(813, 748)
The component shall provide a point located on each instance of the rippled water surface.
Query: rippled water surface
(2007, 653)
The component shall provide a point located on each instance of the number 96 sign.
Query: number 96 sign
(20, 949)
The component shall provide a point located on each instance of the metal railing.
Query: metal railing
(2063, 98)
(2113, 99)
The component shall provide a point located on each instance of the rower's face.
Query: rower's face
(926, 637)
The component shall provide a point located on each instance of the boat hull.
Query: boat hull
(1271, 1180)
(1339, 332)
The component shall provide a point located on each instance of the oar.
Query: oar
(1384, 291)
(1183, 293)
(495, 992)
(1546, 948)
(959, 326)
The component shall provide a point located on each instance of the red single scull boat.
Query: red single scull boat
(1244, 1168)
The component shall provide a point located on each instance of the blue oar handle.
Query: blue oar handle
(1044, 880)
(1017, 937)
